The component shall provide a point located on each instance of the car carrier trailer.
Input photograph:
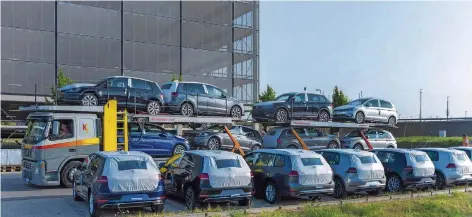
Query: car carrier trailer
(51, 160)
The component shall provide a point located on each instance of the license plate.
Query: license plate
(318, 187)
(232, 193)
(136, 198)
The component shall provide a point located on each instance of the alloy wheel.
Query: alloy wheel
(189, 198)
(89, 100)
(360, 117)
(270, 193)
(358, 147)
(154, 108)
(179, 149)
(324, 116)
(187, 109)
(213, 143)
(393, 184)
(71, 173)
(236, 112)
(282, 115)
(333, 145)
(337, 188)
(391, 121)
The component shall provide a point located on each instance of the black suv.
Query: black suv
(132, 93)
(294, 106)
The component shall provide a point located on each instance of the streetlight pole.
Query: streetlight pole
(421, 101)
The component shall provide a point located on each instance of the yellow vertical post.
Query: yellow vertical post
(125, 129)
(300, 140)
(109, 126)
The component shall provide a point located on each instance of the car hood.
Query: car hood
(268, 103)
(344, 107)
(76, 85)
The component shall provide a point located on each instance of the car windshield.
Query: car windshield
(461, 156)
(132, 165)
(226, 163)
(35, 130)
(284, 97)
(358, 102)
(420, 157)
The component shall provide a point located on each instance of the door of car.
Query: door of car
(157, 138)
(333, 159)
(218, 101)
(79, 175)
(262, 164)
(199, 95)
(313, 105)
(90, 173)
(386, 110)
(183, 172)
(250, 136)
(170, 167)
(317, 139)
(383, 139)
(302, 133)
(299, 106)
(116, 88)
(139, 93)
(373, 138)
(372, 110)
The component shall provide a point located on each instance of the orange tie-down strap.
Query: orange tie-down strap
(90, 141)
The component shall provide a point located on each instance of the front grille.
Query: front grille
(27, 174)
(27, 165)
(27, 152)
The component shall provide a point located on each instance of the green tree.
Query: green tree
(62, 80)
(338, 97)
(175, 77)
(268, 94)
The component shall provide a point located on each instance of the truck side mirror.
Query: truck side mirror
(55, 128)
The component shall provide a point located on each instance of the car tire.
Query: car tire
(394, 184)
(89, 99)
(271, 194)
(391, 121)
(67, 173)
(178, 149)
(74, 193)
(245, 202)
(339, 188)
(94, 211)
(187, 109)
(440, 181)
(214, 143)
(157, 208)
(190, 198)
(236, 112)
(358, 147)
(323, 116)
(390, 146)
(256, 147)
(333, 145)
(153, 108)
(281, 115)
(359, 118)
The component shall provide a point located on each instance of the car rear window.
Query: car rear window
(420, 157)
(311, 161)
(227, 163)
(367, 159)
(460, 156)
(132, 165)
(272, 132)
(166, 86)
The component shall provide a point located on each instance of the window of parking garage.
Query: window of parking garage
(213, 12)
(169, 9)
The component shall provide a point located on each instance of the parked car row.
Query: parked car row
(132, 179)
(192, 98)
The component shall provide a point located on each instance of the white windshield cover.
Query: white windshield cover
(227, 176)
(131, 173)
(423, 168)
(368, 166)
(311, 174)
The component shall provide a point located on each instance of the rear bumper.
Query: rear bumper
(365, 186)
(466, 179)
(420, 183)
(225, 194)
(132, 204)
(227, 198)
(316, 192)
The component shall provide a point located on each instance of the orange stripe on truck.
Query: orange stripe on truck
(91, 141)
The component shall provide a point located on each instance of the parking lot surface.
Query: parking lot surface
(24, 200)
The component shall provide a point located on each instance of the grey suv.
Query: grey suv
(248, 138)
(377, 139)
(367, 110)
(282, 137)
(191, 98)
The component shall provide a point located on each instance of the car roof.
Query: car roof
(463, 147)
(399, 150)
(285, 151)
(191, 82)
(211, 153)
(108, 154)
(122, 76)
(348, 151)
(438, 149)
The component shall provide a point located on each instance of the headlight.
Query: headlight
(203, 134)
(350, 109)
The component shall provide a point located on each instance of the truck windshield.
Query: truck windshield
(35, 130)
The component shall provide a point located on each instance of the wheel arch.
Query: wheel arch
(79, 158)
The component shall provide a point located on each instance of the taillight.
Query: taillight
(408, 169)
(204, 176)
(252, 174)
(293, 173)
(351, 170)
(449, 166)
(102, 180)
(175, 94)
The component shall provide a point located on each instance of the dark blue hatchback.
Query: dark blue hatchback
(155, 140)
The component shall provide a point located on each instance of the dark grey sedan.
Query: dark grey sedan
(248, 138)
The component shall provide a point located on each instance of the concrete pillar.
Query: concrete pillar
(179, 130)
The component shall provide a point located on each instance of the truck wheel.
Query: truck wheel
(67, 173)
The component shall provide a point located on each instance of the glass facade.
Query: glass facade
(214, 42)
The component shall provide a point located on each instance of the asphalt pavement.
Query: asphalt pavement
(19, 199)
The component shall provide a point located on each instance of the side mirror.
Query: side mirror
(55, 128)
(162, 164)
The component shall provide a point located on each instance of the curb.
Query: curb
(11, 168)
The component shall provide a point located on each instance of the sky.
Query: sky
(389, 50)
